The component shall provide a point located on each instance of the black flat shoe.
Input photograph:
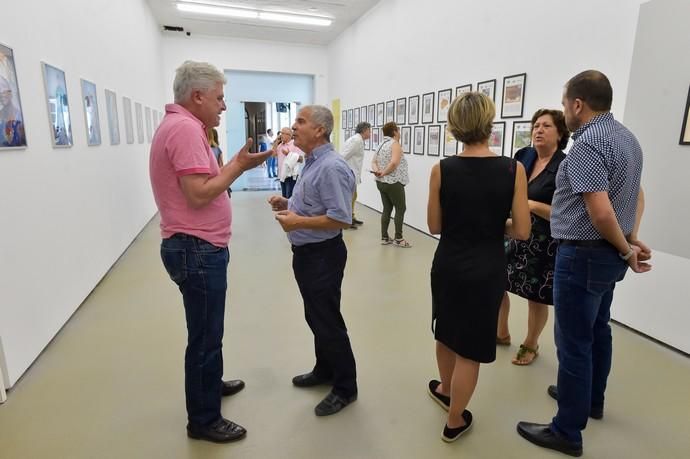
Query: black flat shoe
(232, 387)
(332, 404)
(594, 413)
(450, 435)
(309, 380)
(221, 431)
(542, 435)
(442, 400)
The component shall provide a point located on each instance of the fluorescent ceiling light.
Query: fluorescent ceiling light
(215, 9)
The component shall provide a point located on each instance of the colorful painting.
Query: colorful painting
(12, 134)
(496, 138)
(522, 136)
(58, 106)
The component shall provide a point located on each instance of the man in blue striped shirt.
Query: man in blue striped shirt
(596, 213)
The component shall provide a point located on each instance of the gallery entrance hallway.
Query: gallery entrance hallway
(110, 385)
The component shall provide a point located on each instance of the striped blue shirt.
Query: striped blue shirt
(605, 156)
(325, 187)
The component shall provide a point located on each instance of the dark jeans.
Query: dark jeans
(287, 186)
(319, 271)
(584, 280)
(392, 195)
(200, 271)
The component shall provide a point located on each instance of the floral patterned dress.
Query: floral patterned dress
(530, 263)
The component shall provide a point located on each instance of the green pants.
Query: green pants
(392, 195)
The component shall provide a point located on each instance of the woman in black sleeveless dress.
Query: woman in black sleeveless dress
(471, 197)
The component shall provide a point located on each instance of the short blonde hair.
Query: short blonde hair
(191, 76)
(471, 117)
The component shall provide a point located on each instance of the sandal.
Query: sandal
(522, 352)
(385, 240)
(503, 341)
(402, 243)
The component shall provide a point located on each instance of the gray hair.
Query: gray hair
(361, 127)
(191, 76)
(321, 116)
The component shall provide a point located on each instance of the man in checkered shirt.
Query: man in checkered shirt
(596, 214)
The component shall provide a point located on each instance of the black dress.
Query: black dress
(468, 275)
(530, 263)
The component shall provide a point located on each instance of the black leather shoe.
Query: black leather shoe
(309, 380)
(332, 404)
(221, 431)
(232, 387)
(594, 413)
(542, 435)
(441, 399)
(450, 435)
(357, 222)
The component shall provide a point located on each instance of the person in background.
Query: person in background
(215, 147)
(289, 159)
(353, 154)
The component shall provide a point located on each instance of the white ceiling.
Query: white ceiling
(343, 12)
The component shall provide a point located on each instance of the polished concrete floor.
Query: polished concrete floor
(111, 383)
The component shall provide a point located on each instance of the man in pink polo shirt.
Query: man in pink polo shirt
(191, 194)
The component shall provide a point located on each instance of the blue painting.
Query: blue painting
(12, 133)
(90, 100)
(58, 106)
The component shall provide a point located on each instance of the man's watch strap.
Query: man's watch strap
(627, 256)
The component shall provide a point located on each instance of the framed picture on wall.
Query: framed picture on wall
(113, 119)
(496, 137)
(413, 105)
(488, 87)
(58, 106)
(522, 136)
(12, 134)
(390, 111)
(428, 108)
(343, 123)
(367, 142)
(450, 145)
(355, 118)
(400, 110)
(418, 145)
(129, 124)
(362, 114)
(685, 128)
(405, 139)
(149, 130)
(444, 98)
(90, 100)
(463, 89)
(139, 114)
(371, 114)
(349, 119)
(433, 143)
(379, 114)
(375, 138)
(513, 96)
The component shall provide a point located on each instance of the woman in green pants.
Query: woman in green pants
(390, 168)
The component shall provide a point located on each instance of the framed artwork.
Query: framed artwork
(496, 137)
(350, 120)
(343, 122)
(418, 145)
(355, 118)
(405, 138)
(413, 104)
(58, 106)
(685, 128)
(129, 125)
(450, 145)
(400, 110)
(363, 114)
(390, 111)
(522, 136)
(444, 98)
(140, 122)
(367, 142)
(513, 96)
(375, 138)
(463, 89)
(12, 133)
(488, 87)
(113, 120)
(379, 114)
(428, 108)
(90, 101)
(371, 115)
(433, 143)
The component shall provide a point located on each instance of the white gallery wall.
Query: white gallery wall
(657, 303)
(67, 214)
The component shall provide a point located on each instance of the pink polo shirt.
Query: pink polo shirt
(180, 148)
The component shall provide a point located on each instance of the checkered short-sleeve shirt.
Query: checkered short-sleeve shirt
(605, 156)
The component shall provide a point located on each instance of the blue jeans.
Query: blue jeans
(584, 280)
(200, 271)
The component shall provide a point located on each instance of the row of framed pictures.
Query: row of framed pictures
(407, 110)
(436, 139)
(13, 134)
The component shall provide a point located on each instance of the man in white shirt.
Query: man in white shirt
(353, 153)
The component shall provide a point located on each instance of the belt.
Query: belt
(586, 242)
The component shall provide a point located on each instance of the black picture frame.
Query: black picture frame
(367, 143)
(464, 88)
(344, 122)
(362, 114)
(349, 119)
(406, 139)
(371, 115)
(516, 143)
(488, 87)
(498, 148)
(446, 151)
(400, 110)
(418, 140)
(413, 104)
(375, 138)
(428, 108)
(433, 149)
(379, 114)
(685, 127)
(390, 111)
(355, 117)
(513, 98)
(445, 97)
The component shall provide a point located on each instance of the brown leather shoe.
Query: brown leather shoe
(232, 387)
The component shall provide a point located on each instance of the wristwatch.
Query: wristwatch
(627, 255)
